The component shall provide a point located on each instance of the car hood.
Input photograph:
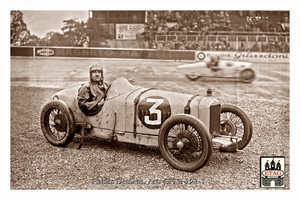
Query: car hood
(192, 65)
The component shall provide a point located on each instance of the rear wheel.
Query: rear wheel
(235, 122)
(57, 123)
(247, 75)
(192, 77)
(185, 142)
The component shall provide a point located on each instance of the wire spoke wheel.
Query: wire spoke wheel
(231, 124)
(185, 143)
(234, 122)
(57, 123)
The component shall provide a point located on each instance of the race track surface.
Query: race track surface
(272, 79)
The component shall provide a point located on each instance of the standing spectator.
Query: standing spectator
(172, 44)
(284, 47)
(263, 47)
(166, 46)
(247, 46)
(255, 47)
(276, 46)
(165, 29)
(242, 48)
(176, 45)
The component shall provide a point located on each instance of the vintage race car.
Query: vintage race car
(185, 127)
(216, 68)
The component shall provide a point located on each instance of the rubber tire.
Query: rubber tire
(248, 128)
(192, 77)
(69, 117)
(242, 78)
(204, 133)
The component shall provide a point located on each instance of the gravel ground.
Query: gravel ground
(35, 164)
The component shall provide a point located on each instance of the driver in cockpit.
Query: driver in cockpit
(91, 94)
(214, 61)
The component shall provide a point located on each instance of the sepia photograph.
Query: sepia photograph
(153, 98)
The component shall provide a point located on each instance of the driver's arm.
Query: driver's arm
(85, 102)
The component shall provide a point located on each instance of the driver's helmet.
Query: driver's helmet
(96, 68)
(215, 58)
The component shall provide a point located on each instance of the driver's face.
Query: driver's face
(96, 75)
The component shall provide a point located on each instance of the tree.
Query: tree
(74, 32)
(77, 33)
(97, 34)
(18, 29)
(32, 40)
(54, 39)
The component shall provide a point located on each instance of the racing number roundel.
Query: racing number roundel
(153, 111)
(201, 56)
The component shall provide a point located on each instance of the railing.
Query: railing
(265, 43)
(227, 38)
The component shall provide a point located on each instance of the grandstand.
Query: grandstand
(202, 30)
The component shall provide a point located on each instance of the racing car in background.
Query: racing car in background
(185, 127)
(216, 68)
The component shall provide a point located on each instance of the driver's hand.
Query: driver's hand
(100, 103)
(131, 80)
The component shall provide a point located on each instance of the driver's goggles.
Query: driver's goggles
(95, 71)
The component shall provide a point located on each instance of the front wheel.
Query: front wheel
(192, 77)
(57, 123)
(235, 122)
(185, 142)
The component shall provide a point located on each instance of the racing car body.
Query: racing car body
(241, 71)
(185, 127)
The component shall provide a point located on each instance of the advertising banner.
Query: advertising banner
(113, 53)
(128, 31)
(244, 56)
(149, 54)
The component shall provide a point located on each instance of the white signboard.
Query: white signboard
(128, 31)
(244, 56)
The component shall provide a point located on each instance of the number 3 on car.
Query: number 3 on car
(154, 110)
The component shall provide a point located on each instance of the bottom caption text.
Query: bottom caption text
(168, 181)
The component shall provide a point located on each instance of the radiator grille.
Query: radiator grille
(214, 120)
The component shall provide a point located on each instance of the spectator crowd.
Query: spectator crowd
(282, 47)
(203, 23)
(186, 22)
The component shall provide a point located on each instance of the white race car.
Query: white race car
(216, 68)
